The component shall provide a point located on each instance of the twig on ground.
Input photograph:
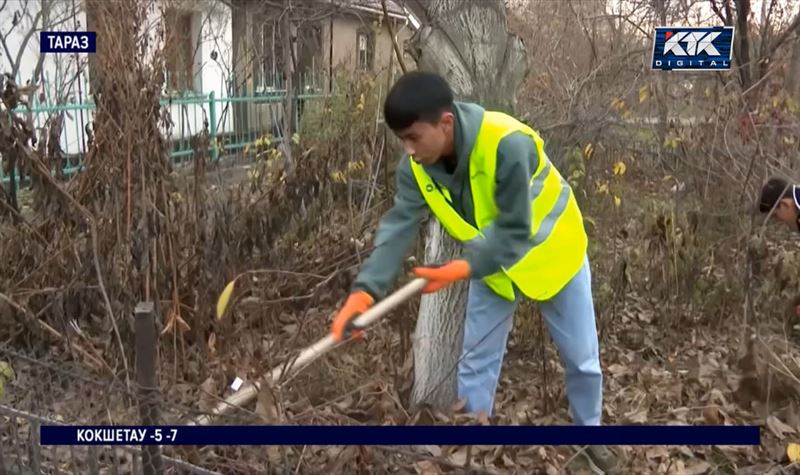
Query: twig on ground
(438, 460)
(97, 362)
(45, 174)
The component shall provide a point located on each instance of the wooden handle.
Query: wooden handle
(250, 389)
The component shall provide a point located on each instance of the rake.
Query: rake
(250, 389)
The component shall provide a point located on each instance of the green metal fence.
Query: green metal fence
(236, 121)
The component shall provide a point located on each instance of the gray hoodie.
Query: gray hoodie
(507, 239)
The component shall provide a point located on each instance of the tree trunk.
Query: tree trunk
(440, 329)
(793, 75)
(742, 46)
(662, 92)
(288, 106)
(487, 68)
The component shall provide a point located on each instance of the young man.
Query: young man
(782, 200)
(784, 197)
(486, 178)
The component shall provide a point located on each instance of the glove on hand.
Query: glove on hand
(443, 276)
(357, 303)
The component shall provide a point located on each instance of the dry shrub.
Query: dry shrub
(94, 235)
(303, 234)
(128, 228)
(676, 245)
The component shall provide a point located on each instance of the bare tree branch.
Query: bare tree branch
(24, 45)
(585, 30)
(718, 12)
(394, 40)
(793, 28)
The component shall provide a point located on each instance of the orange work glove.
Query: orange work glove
(357, 303)
(442, 276)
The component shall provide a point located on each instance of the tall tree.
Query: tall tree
(755, 62)
(469, 44)
(20, 24)
(793, 74)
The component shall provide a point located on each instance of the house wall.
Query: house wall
(211, 31)
(257, 118)
(345, 37)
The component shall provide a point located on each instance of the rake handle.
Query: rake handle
(250, 389)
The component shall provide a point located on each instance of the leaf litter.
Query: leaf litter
(652, 375)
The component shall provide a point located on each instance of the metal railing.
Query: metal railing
(235, 121)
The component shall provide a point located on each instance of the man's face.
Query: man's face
(786, 211)
(426, 142)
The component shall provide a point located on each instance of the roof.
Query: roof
(395, 8)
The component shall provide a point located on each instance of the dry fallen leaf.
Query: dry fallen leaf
(212, 344)
(793, 452)
(759, 469)
(681, 414)
(274, 454)
(174, 320)
(426, 467)
(525, 461)
(345, 403)
(459, 457)
(656, 452)
(618, 370)
(208, 394)
(542, 453)
(434, 450)
(637, 417)
(266, 406)
(334, 451)
(6, 374)
(224, 298)
(779, 428)
(711, 415)
(698, 468)
(686, 451)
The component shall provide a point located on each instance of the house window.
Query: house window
(365, 49)
(179, 50)
(269, 64)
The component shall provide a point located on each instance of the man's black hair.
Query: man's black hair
(773, 191)
(417, 96)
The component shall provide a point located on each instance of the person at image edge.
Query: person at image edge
(781, 200)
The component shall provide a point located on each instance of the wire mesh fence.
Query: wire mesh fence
(46, 386)
(20, 453)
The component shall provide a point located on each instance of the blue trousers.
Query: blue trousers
(570, 320)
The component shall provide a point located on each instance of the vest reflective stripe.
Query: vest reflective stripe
(558, 239)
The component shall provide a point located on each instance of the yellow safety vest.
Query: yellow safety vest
(557, 232)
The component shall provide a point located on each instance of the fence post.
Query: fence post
(212, 125)
(146, 340)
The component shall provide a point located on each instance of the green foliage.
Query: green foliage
(343, 127)
(575, 160)
(6, 374)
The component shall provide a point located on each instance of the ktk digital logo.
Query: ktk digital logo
(681, 48)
